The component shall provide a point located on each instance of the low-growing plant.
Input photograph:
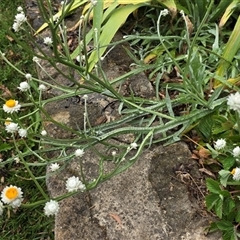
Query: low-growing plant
(178, 106)
(223, 198)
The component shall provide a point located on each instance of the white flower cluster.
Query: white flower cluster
(12, 127)
(48, 41)
(20, 18)
(51, 208)
(79, 152)
(42, 87)
(236, 151)
(233, 101)
(54, 167)
(220, 144)
(73, 184)
(24, 86)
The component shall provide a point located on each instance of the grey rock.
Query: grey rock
(148, 201)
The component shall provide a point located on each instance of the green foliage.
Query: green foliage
(223, 197)
(187, 45)
(23, 223)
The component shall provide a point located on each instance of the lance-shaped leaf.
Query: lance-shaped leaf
(229, 52)
(230, 9)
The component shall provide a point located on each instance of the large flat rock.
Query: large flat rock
(151, 200)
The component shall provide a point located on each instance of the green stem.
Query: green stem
(29, 170)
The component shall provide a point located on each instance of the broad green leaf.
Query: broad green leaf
(75, 5)
(157, 51)
(224, 175)
(97, 21)
(228, 206)
(237, 218)
(108, 3)
(224, 194)
(116, 20)
(213, 186)
(6, 147)
(224, 225)
(205, 126)
(229, 82)
(219, 10)
(211, 200)
(131, 1)
(229, 52)
(228, 162)
(230, 234)
(230, 9)
(219, 207)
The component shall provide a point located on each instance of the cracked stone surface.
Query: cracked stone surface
(148, 201)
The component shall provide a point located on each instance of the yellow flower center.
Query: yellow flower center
(233, 171)
(11, 103)
(11, 193)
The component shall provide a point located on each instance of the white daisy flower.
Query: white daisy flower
(236, 174)
(47, 41)
(233, 101)
(12, 195)
(220, 144)
(74, 184)
(22, 132)
(54, 167)
(51, 208)
(24, 86)
(79, 153)
(11, 106)
(12, 127)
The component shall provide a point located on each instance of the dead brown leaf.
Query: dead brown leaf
(9, 38)
(6, 93)
(116, 218)
(209, 173)
(204, 153)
